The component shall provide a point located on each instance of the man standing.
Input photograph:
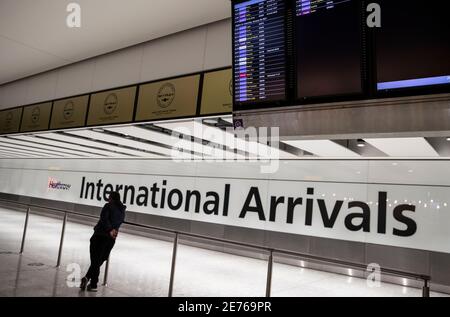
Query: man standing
(103, 239)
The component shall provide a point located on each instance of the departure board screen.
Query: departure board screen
(259, 51)
(328, 48)
(412, 45)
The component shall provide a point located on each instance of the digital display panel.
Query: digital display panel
(412, 44)
(328, 48)
(259, 51)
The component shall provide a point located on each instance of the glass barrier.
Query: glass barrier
(207, 273)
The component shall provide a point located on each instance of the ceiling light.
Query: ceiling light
(448, 139)
(361, 143)
(211, 121)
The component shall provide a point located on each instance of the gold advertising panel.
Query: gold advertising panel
(217, 96)
(69, 113)
(36, 117)
(113, 106)
(168, 99)
(10, 120)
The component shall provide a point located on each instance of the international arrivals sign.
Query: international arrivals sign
(398, 215)
(355, 215)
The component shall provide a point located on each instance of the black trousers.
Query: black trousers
(100, 249)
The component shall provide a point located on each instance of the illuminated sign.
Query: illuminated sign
(217, 95)
(173, 98)
(383, 211)
(69, 113)
(36, 117)
(10, 120)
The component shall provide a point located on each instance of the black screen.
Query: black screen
(413, 44)
(259, 51)
(328, 48)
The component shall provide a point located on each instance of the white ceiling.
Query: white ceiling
(196, 139)
(406, 147)
(34, 36)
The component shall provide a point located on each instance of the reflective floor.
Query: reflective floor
(141, 267)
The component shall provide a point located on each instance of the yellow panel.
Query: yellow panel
(113, 106)
(36, 117)
(217, 96)
(168, 99)
(10, 120)
(69, 113)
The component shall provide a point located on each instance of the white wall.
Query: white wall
(202, 48)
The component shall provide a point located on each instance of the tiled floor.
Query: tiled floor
(141, 267)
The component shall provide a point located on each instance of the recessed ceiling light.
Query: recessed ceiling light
(360, 143)
(448, 139)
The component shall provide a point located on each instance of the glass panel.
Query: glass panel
(203, 272)
(11, 229)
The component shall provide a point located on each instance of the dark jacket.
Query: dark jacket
(111, 217)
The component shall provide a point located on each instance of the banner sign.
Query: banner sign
(165, 99)
(410, 216)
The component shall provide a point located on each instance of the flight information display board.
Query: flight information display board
(412, 45)
(259, 44)
(328, 48)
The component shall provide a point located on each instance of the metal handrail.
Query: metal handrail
(272, 251)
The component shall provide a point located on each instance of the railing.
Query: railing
(311, 258)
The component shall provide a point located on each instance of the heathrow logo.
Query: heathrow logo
(57, 185)
(166, 95)
(110, 104)
(68, 110)
(35, 115)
